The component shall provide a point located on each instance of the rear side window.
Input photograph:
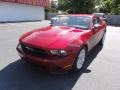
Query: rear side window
(96, 20)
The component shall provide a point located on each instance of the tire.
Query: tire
(79, 62)
(103, 39)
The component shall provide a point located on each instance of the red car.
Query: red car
(64, 44)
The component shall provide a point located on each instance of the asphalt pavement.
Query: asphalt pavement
(102, 70)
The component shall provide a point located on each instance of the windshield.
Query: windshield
(81, 22)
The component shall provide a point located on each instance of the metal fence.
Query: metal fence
(113, 20)
(51, 15)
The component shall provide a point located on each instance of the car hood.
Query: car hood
(52, 37)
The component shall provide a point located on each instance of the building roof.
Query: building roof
(44, 3)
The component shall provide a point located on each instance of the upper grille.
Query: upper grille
(34, 51)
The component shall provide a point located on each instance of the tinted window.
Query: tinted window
(96, 21)
(81, 22)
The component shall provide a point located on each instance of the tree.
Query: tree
(109, 6)
(53, 6)
(115, 6)
(77, 6)
(105, 6)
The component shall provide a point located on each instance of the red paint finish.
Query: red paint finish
(58, 37)
(69, 39)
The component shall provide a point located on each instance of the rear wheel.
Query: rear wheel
(78, 64)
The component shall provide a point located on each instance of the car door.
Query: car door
(97, 30)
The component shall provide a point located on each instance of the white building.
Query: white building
(22, 10)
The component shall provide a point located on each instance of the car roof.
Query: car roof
(99, 13)
(86, 15)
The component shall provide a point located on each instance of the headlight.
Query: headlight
(59, 52)
(20, 47)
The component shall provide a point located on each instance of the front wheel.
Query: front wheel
(78, 64)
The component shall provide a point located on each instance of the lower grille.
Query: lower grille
(34, 51)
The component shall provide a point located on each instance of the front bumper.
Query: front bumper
(63, 64)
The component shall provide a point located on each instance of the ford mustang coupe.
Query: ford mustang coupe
(63, 45)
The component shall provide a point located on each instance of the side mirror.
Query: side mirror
(96, 26)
